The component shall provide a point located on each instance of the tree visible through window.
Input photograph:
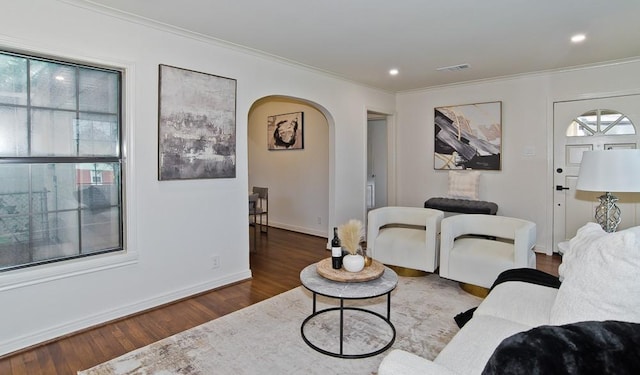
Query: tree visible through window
(60, 160)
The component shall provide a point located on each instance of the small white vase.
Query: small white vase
(353, 263)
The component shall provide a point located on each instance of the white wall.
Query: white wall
(524, 186)
(173, 227)
(298, 180)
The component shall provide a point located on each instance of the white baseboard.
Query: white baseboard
(542, 249)
(294, 228)
(51, 333)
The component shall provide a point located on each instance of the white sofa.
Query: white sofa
(599, 276)
(510, 308)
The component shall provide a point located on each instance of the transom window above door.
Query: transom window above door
(601, 122)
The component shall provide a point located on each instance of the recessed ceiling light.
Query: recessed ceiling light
(60, 78)
(394, 72)
(578, 38)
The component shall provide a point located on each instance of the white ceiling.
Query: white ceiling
(361, 40)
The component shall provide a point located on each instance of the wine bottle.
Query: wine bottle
(336, 251)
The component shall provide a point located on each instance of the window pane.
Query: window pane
(55, 235)
(614, 123)
(576, 129)
(52, 133)
(54, 187)
(13, 80)
(14, 240)
(14, 214)
(13, 131)
(30, 239)
(100, 229)
(99, 184)
(98, 91)
(14, 190)
(53, 85)
(97, 135)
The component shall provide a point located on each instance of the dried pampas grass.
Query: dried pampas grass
(350, 235)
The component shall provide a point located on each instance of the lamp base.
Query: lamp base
(607, 213)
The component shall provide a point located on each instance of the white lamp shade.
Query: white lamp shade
(610, 171)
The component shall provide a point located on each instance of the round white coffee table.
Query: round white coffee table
(342, 291)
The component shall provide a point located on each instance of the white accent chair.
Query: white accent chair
(404, 236)
(476, 248)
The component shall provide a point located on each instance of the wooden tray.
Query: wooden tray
(375, 270)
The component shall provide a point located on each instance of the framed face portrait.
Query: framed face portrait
(285, 132)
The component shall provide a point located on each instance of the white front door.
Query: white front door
(603, 128)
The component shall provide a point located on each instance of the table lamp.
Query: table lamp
(609, 171)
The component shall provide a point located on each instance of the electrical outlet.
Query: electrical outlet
(319, 220)
(215, 261)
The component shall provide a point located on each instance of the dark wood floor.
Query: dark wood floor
(271, 276)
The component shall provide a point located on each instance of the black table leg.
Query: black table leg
(341, 309)
(341, 324)
(389, 306)
(314, 302)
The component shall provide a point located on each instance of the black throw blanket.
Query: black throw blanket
(609, 347)
(528, 275)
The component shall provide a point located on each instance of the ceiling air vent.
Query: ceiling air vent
(454, 68)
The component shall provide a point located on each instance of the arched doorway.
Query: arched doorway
(298, 179)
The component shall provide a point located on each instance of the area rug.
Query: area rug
(265, 338)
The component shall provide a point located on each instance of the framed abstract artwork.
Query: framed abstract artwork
(468, 136)
(285, 132)
(196, 125)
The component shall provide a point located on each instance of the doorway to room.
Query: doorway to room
(297, 178)
(378, 165)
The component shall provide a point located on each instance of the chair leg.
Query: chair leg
(254, 239)
(475, 290)
(264, 228)
(255, 232)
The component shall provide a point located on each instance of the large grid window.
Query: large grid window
(60, 160)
